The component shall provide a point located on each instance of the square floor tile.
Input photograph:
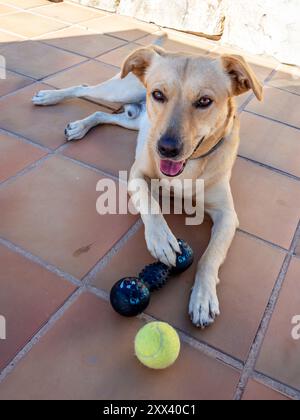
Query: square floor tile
(279, 105)
(117, 56)
(242, 306)
(69, 12)
(287, 78)
(120, 26)
(82, 41)
(256, 391)
(15, 155)
(89, 354)
(279, 357)
(91, 73)
(13, 82)
(28, 58)
(43, 125)
(28, 24)
(266, 202)
(271, 143)
(27, 4)
(29, 296)
(51, 212)
(109, 148)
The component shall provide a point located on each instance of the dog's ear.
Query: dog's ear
(138, 61)
(242, 76)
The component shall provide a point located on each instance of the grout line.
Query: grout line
(40, 334)
(201, 346)
(6, 44)
(282, 89)
(264, 241)
(85, 61)
(98, 292)
(98, 59)
(35, 82)
(9, 13)
(49, 18)
(26, 170)
(57, 315)
(271, 168)
(13, 6)
(88, 166)
(112, 252)
(94, 58)
(47, 42)
(42, 41)
(25, 140)
(272, 119)
(42, 79)
(296, 241)
(37, 260)
(20, 74)
(50, 153)
(252, 96)
(262, 330)
(271, 75)
(186, 338)
(276, 385)
(247, 101)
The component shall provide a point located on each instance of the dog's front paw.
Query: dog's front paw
(46, 97)
(76, 130)
(204, 303)
(161, 243)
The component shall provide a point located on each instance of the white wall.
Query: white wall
(257, 26)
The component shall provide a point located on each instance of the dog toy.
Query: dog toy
(157, 345)
(130, 296)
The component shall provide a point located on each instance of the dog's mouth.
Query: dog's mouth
(172, 168)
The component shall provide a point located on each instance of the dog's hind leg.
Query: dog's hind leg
(130, 118)
(115, 90)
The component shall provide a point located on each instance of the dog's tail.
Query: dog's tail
(162, 38)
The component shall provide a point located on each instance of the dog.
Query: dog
(184, 108)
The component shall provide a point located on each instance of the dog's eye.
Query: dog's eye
(159, 96)
(203, 102)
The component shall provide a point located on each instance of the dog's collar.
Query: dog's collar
(212, 150)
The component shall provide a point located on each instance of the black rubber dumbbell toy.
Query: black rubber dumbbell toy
(130, 296)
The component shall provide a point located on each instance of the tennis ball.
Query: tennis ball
(157, 345)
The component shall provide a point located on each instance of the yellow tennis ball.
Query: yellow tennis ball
(157, 345)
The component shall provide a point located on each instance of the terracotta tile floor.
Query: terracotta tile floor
(59, 258)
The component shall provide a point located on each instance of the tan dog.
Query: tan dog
(184, 109)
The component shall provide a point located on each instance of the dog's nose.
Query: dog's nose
(169, 146)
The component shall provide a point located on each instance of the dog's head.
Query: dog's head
(189, 99)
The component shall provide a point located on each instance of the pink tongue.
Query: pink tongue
(171, 168)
